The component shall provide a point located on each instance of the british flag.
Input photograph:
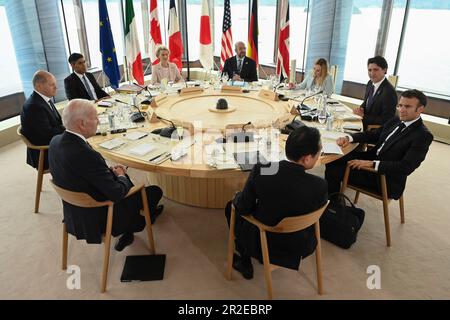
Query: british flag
(283, 41)
(227, 37)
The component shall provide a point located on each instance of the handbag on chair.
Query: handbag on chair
(341, 221)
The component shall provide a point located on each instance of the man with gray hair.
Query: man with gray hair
(39, 119)
(240, 67)
(75, 166)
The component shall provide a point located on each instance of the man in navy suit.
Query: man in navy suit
(401, 145)
(380, 98)
(240, 67)
(82, 84)
(39, 119)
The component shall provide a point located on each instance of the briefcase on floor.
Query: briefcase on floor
(341, 221)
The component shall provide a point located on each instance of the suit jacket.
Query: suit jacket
(75, 166)
(75, 88)
(248, 71)
(270, 198)
(39, 124)
(401, 154)
(174, 73)
(383, 105)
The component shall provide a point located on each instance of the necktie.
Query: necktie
(52, 106)
(239, 65)
(369, 96)
(88, 88)
(392, 136)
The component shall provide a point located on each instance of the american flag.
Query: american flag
(227, 37)
(283, 41)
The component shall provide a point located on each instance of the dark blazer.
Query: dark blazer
(39, 124)
(270, 198)
(402, 153)
(75, 88)
(75, 166)
(248, 71)
(383, 105)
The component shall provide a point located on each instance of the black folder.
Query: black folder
(144, 268)
(247, 160)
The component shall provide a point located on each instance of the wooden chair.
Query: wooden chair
(83, 200)
(289, 224)
(333, 73)
(40, 169)
(370, 127)
(393, 80)
(383, 197)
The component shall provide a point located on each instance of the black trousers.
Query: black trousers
(334, 173)
(237, 227)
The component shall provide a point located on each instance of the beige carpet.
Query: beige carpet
(417, 266)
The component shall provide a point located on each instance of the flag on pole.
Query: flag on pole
(206, 49)
(252, 47)
(227, 37)
(283, 41)
(107, 48)
(133, 50)
(155, 31)
(175, 43)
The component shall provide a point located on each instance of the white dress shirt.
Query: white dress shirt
(89, 83)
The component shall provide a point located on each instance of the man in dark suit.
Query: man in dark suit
(39, 118)
(82, 84)
(271, 195)
(401, 144)
(240, 67)
(75, 166)
(380, 98)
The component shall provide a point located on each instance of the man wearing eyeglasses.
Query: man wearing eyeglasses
(400, 147)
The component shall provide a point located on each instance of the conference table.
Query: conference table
(206, 174)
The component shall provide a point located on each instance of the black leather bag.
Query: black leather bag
(340, 222)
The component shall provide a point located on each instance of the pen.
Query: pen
(156, 157)
(143, 136)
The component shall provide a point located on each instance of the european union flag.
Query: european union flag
(107, 48)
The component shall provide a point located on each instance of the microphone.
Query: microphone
(167, 131)
(146, 101)
(243, 127)
(135, 117)
(302, 106)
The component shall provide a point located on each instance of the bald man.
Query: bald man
(39, 119)
(240, 67)
(75, 166)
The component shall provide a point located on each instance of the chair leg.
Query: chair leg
(39, 181)
(402, 209)
(107, 248)
(318, 259)
(64, 247)
(345, 179)
(355, 201)
(230, 252)
(267, 272)
(148, 221)
(386, 210)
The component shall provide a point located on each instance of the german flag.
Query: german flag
(252, 47)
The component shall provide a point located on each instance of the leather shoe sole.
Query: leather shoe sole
(245, 270)
(124, 241)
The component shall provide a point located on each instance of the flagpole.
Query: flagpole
(187, 43)
(125, 62)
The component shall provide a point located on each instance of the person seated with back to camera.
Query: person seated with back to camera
(271, 195)
(318, 78)
(165, 69)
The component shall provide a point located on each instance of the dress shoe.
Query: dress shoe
(159, 210)
(246, 269)
(125, 240)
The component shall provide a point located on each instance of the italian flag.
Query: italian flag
(133, 51)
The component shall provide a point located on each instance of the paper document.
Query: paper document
(333, 135)
(135, 135)
(142, 149)
(350, 126)
(112, 144)
(331, 148)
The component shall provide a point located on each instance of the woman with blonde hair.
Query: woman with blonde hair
(318, 78)
(165, 69)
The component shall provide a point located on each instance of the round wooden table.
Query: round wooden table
(193, 182)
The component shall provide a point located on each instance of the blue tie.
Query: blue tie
(369, 96)
(88, 88)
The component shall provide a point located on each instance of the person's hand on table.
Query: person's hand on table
(359, 164)
(359, 111)
(291, 86)
(119, 170)
(343, 142)
(237, 77)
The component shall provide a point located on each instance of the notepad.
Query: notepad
(112, 144)
(142, 149)
(331, 148)
(105, 104)
(135, 135)
(349, 126)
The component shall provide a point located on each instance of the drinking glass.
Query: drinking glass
(180, 131)
(322, 116)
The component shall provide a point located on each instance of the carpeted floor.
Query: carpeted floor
(417, 266)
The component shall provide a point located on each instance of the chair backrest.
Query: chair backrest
(393, 80)
(292, 224)
(79, 199)
(333, 73)
(27, 142)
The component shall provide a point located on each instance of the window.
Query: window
(8, 63)
(298, 13)
(425, 60)
(67, 12)
(266, 36)
(395, 31)
(239, 22)
(194, 10)
(362, 38)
